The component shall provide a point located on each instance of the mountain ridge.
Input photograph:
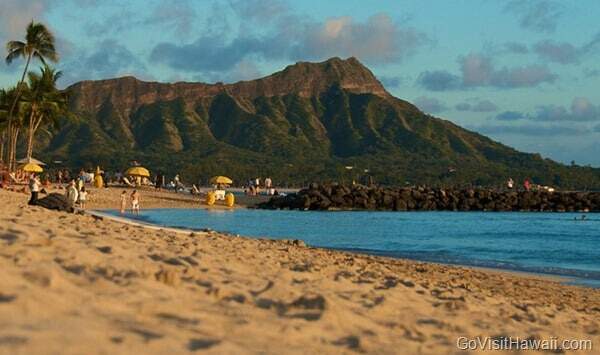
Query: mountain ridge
(311, 118)
(350, 74)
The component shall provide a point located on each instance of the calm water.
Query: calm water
(549, 243)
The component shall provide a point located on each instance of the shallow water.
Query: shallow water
(547, 243)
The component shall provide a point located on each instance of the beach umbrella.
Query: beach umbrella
(221, 180)
(30, 161)
(32, 168)
(138, 171)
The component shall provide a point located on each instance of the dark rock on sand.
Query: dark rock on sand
(55, 201)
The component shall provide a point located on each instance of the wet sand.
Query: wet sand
(78, 284)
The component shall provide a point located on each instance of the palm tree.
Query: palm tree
(43, 102)
(3, 133)
(39, 44)
(13, 129)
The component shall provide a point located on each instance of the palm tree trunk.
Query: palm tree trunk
(12, 147)
(36, 125)
(2, 141)
(30, 133)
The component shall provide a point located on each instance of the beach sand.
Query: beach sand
(151, 198)
(78, 284)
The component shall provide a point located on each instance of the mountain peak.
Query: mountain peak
(312, 78)
(304, 79)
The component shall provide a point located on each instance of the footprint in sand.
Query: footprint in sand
(179, 320)
(351, 342)
(9, 238)
(5, 298)
(12, 340)
(105, 250)
(147, 335)
(309, 307)
(201, 344)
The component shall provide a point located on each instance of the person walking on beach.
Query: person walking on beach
(178, 183)
(72, 194)
(135, 202)
(123, 201)
(82, 197)
(34, 187)
(160, 181)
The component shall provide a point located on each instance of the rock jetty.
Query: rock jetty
(358, 197)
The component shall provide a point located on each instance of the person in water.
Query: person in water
(135, 202)
(123, 201)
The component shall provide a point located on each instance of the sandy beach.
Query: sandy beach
(79, 284)
(151, 198)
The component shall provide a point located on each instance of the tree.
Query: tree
(43, 102)
(38, 44)
(13, 129)
(3, 130)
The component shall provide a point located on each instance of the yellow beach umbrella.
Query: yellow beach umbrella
(221, 180)
(32, 168)
(138, 171)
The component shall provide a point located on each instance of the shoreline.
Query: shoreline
(563, 279)
(80, 284)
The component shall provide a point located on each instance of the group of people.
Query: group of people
(175, 184)
(510, 183)
(134, 197)
(76, 194)
(254, 187)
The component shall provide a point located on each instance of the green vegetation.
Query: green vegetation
(297, 139)
(38, 45)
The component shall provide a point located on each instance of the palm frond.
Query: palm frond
(15, 49)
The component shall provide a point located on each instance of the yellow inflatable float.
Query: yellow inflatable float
(210, 198)
(98, 182)
(229, 199)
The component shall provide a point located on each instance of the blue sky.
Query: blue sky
(525, 73)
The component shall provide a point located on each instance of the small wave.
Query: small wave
(446, 258)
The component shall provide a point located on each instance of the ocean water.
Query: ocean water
(546, 243)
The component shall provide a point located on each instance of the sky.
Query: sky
(526, 73)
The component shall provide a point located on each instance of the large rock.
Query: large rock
(55, 201)
(328, 196)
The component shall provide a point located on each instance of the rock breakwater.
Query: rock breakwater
(358, 197)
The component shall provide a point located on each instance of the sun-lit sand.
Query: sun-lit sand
(77, 284)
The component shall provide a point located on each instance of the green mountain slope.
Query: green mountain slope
(304, 123)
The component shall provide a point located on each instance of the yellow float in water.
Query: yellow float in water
(210, 198)
(229, 199)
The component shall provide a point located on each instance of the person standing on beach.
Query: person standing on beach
(72, 194)
(160, 180)
(178, 184)
(123, 201)
(82, 197)
(526, 185)
(34, 187)
(510, 183)
(135, 202)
